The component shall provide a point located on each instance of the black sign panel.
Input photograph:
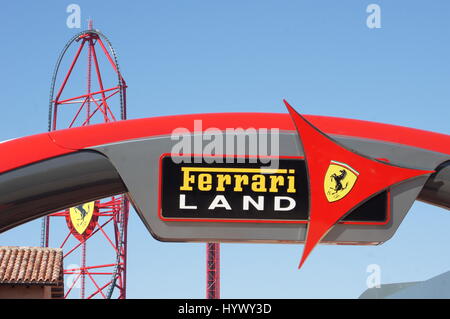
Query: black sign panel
(234, 191)
(375, 210)
(246, 190)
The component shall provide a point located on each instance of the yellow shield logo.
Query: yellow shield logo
(339, 181)
(81, 216)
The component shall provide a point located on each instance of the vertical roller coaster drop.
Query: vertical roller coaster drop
(99, 226)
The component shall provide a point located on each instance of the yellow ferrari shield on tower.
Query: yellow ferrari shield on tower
(339, 180)
(81, 216)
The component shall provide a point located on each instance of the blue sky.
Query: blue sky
(227, 56)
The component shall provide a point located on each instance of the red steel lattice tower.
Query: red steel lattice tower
(93, 235)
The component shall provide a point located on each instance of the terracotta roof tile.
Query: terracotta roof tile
(30, 265)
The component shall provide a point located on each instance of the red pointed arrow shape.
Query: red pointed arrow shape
(321, 151)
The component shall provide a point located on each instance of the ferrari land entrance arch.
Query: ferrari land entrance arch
(314, 181)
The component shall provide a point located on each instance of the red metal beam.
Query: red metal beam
(30, 149)
(64, 83)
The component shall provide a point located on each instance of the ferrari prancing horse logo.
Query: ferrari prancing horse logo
(339, 181)
(81, 216)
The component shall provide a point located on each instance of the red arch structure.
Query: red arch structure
(43, 146)
(97, 148)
